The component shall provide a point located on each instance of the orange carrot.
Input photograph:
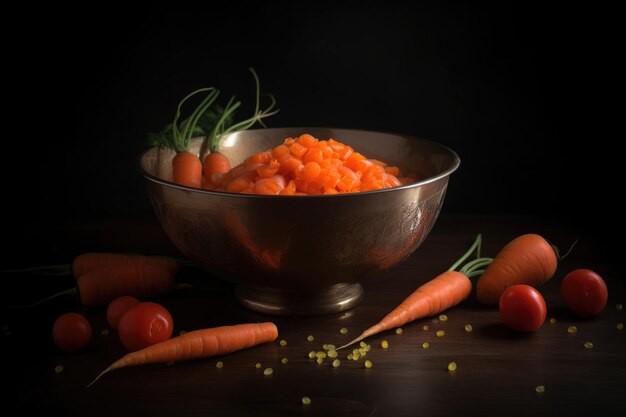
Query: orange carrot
(199, 344)
(90, 261)
(528, 259)
(215, 163)
(187, 170)
(442, 292)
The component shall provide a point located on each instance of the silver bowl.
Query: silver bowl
(302, 255)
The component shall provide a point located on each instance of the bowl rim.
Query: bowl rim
(456, 162)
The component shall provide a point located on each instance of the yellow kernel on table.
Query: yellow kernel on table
(362, 352)
(336, 363)
(368, 364)
(58, 369)
(384, 344)
(468, 328)
(425, 345)
(552, 320)
(306, 400)
(425, 327)
(452, 366)
(257, 365)
(355, 357)
(343, 330)
(310, 338)
(268, 371)
(620, 326)
(572, 329)
(332, 353)
(540, 389)
(440, 333)
(105, 332)
(283, 342)
(399, 330)
(320, 354)
(284, 361)
(362, 344)
(350, 356)
(367, 348)
(320, 360)
(443, 317)
(588, 345)
(312, 355)
(219, 364)
(619, 307)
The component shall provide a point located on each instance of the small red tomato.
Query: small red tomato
(118, 308)
(71, 332)
(144, 325)
(522, 308)
(584, 292)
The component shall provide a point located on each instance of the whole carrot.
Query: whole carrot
(187, 170)
(90, 261)
(442, 292)
(528, 259)
(199, 344)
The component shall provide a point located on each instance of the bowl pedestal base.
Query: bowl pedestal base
(276, 302)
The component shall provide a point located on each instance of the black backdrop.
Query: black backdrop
(518, 91)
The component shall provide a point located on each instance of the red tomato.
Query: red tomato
(118, 308)
(144, 325)
(522, 308)
(584, 292)
(71, 332)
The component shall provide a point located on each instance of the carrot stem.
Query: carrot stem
(475, 247)
(70, 291)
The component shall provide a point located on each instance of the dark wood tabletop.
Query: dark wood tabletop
(498, 369)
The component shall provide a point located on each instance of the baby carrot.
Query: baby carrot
(442, 292)
(199, 344)
(90, 261)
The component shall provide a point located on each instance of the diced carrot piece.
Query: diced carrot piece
(311, 171)
(329, 191)
(279, 151)
(347, 183)
(269, 169)
(327, 151)
(301, 185)
(344, 170)
(313, 155)
(289, 141)
(238, 185)
(377, 162)
(345, 152)
(267, 186)
(289, 189)
(261, 157)
(289, 163)
(352, 161)
(298, 150)
(406, 180)
(391, 181)
(330, 163)
(307, 140)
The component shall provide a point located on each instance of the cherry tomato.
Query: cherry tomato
(71, 332)
(144, 325)
(118, 308)
(522, 308)
(584, 292)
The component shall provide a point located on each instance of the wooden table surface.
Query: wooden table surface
(497, 373)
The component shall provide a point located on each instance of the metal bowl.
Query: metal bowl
(302, 255)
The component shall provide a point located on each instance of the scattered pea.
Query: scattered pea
(257, 365)
(284, 361)
(58, 369)
(452, 366)
(399, 330)
(105, 332)
(312, 355)
(219, 364)
(320, 354)
(540, 389)
(384, 344)
(268, 371)
(332, 353)
(425, 345)
(588, 345)
(552, 320)
(440, 333)
(619, 307)
(425, 327)
(443, 317)
(343, 330)
(306, 400)
(336, 363)
(572, 329)
(355, 356)
(468, 328)
(368, 364)
(350, 356)
(319, 361)
(620, 326)
(283, 342)
(310, 338)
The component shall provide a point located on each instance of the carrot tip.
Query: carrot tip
(98, 377)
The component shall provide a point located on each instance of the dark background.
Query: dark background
(523, 93)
